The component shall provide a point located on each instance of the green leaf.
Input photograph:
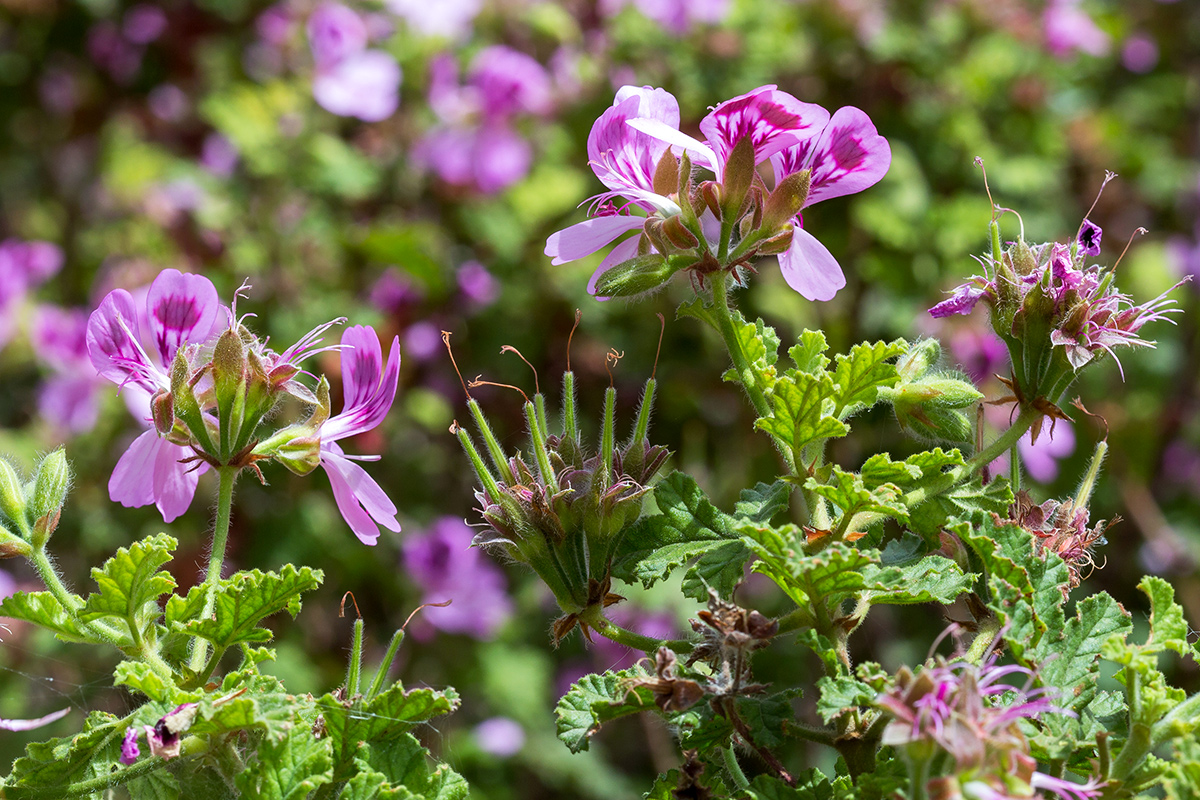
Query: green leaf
(803, 411)
(140, 677)
(810, 785)
(862, 372)
(847, 492)
(287, 768)
(404, 762)
(59, 762)
(388, 715)
(245, 598)
(760, 346)
(768, 717)
(841, 694)
(932, 579)
(763, 502)
(184, 609)
(367, 784)
(970, 501)
(688, 526)
(158, 785)
(596, 699)
(880, 469)
(1069, 656)
(809, 354)
(131, 582)
(666, 785)
(44, 610)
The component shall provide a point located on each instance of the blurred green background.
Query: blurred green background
(329, 216)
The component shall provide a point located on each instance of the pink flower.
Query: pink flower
(23, 267)
(351, 81)
(450, 19)
(1068, 28)
(68, 398)
(30, 724)
(510, 82)
(369, 388)
(133, 345)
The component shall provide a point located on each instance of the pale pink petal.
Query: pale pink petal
(182, 307)
(174, 482)
(585, 238)
(30, 724)
(622, 252)
(773, 120)
(809, 268)
(358, 497)
(132, 481)
(847, 157)
(335, 33)
(700, 153)
(368, 393)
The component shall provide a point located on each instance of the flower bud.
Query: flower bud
(162, 409)
(953, 548)
(666, 174)
(50, 487)
(678, 235)
(918, 360)
(300, 455)
(12, 495)
(12, 546)
(738, 177)
(786, 201)
(779, 243)
(639, 275)
(929, 409)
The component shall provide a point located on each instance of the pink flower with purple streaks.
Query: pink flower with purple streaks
(446, 567)
(847, 156)
(369, 388)
(133, 345)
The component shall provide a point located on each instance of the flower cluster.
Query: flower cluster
(971, 714)
(725, 223)
(1062, 528)
(1055, 313)
(204, 384)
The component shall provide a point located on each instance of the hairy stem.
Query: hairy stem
(734, 768)
(720, 290)
(647, 644)
(744, 732)
(216, 557)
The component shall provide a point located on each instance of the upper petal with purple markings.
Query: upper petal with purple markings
(773, 120)
(369, 386)
(622, 157)
(182, 307)
(848, 156)
(113, 344)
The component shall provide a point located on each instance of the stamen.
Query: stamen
(508, 348)
(578, 316)
(662, 329)
(1019, 219)
(986, 188)
(442, 604)
(446, 341)
(241, 291)
(480, 382)
(612, 357)
(1127, 244)
(342, 606)
(1108, 176)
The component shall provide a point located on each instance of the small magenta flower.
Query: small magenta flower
(449, 19)
(129, 746)
(370, 389)
(1089, 238)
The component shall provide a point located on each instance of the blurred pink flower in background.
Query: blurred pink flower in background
(979, 352)
(655, 624)
(500, 736)
(218, 155)
(442, 562)
(674, 16)
(113, 53)
(1040, 460)
(350, 80)
(1069, 29)
(477, 284)
(67, 399)
(144, 23)
(449, 19)
(24, 265)
(1140, 53)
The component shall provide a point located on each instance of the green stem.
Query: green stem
(1014, 468)
(637, 641)
(216, 557)
(70, 602)
(734, 768)
(983, 640)
(794, 620)
(749, 380)
(386, 664)
(99, 784)
(354, 670)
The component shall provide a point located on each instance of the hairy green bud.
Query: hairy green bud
(50, 487)
(638, 275)
(12, 495)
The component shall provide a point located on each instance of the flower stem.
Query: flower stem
(216, 557)
(647, 644)
(720, 290)
(734, 768)
(89, 787)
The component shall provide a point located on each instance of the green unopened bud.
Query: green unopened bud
(929, 409)
(786, 201)
(187, 408)
(738, 176)
(300, 455)
(638, 275)
(1022, 258)
(919, 359)
(44, 528)
(50, 487)
(229, 383)
(12, 496)
(12, 546)
(779, 243)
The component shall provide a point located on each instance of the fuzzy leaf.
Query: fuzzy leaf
(44, 610)
(140, 677)
(842, 694)
(847, 491)
(810, 785)
(809, 354)
(971, 502)
(288, 768)
(760, 346)
(59, 762)
(388, 715)
(158, 785)
(880, 469)
(862, 372)
(245, 598)
(596, 699)
(131, 582)
(720, 568)
(803, 411)
(932, 579)
(763, 502)
(1069, 656)
(403, 761)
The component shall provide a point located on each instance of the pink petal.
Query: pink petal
(368, 394)
(358, 497)
(772, 119)
(623, 157)
(847, 157)
(174, 482)
(809, 268)
(700, 153)
(365, 85)
(112, 345)
(622, 252)
(335, 33)
(30, 724)
(132, 481)
(585, 238)
(182, 308)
